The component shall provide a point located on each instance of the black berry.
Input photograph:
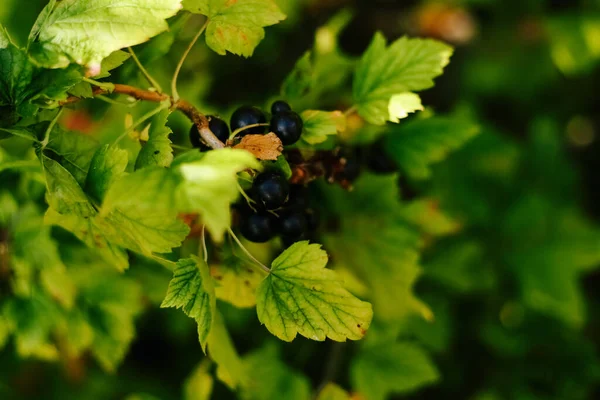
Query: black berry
(216, 125)
(248, 115)
(298, 198)
(259, 227)
(312, 219)
(280, 106)
(270, 190)
(378, 160)
(287, 125)
(292, 224)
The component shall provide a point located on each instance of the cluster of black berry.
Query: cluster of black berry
(285, 123)
(279, 209)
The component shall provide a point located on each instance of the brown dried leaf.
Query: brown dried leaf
(264, 147)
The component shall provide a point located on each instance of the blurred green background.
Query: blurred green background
(528, 71)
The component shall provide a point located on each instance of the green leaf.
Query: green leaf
(209, 186)
(552, 246)
(157, 150)
(406, 65)
(139, 212)
(108, 309)
(281, 164)
(147, 233)
(236, 26)
(301, 296)
(113, 61)
(331, 391)
(460, 266)
(108, 164)
(418, 144)
(86, 32)
(199, 384)
(387, 262)
(44, 263)
(90, 232)
(318, 125)
(321, 73)
(192, 290)
(73, 150)
(222, 351)
(283, 382)
(572, 42)
(236, 280)
(151, 189)
(23, 86)
(392, 368)
(32, 321)
(64, 193)
(5, 331)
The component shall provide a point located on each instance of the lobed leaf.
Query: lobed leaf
(301, 296)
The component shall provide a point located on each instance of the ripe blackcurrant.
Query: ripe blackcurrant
(287, 125)
(280, 106)
(248, 115)
(378, 160)
(292, 223)
(259, 227)
(312, 219)
(271, 190)
(298, 198)
(216, 125)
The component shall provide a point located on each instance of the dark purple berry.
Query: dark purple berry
(292, 224)
(271, 190)
(312, 219)
(259, 227)
(287, 125)
(248, 115)
(280, 106)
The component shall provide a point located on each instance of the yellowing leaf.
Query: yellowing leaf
(236, 281)
(402, 104)
(301, 296)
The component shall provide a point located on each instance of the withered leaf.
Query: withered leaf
(264, 147)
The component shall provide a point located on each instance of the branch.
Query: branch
(184, 106)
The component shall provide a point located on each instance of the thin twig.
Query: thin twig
(261, 265)
(149, 77)
(50, 127)
(141, 120)
(248, 199)
(203, 240)
(350, 111)
(243, 128)
(115, 102)
(182, 60)
(184, 106)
